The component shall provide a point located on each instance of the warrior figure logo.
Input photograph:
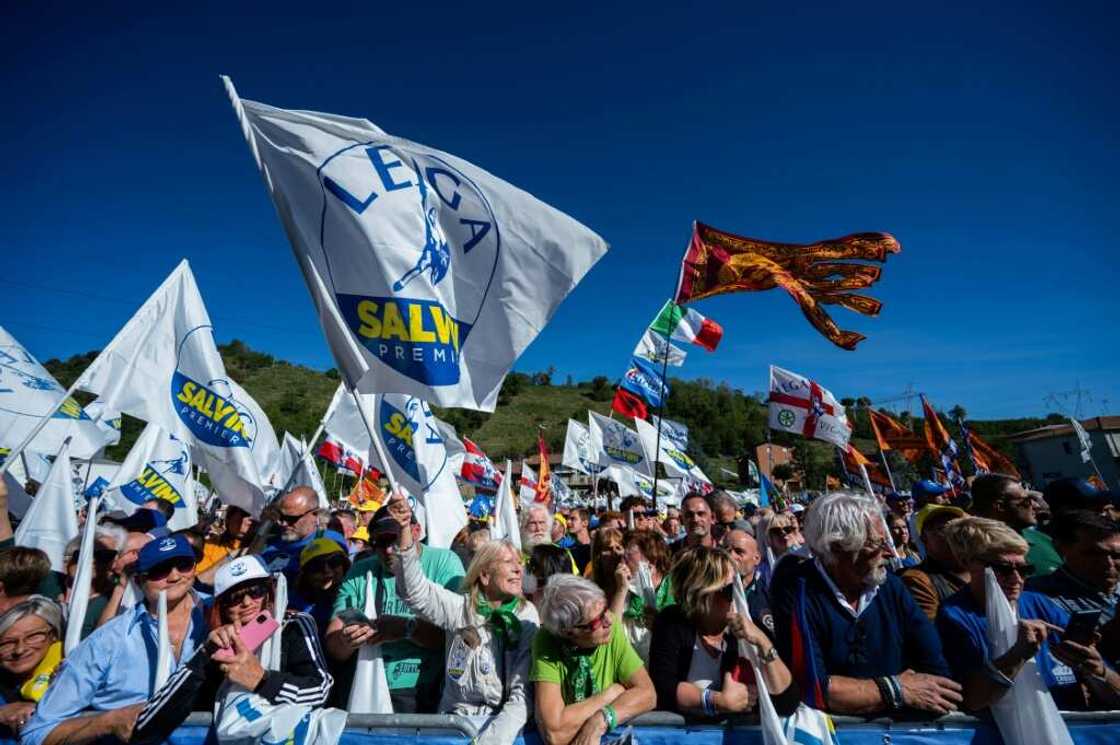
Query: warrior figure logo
(435, 256)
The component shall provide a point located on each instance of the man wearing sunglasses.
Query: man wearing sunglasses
(859, 643)
(106, 680)
(297, 522)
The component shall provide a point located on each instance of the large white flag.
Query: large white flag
(430, 275)
(418, 460)
(578, 454)
(505, 526)
(799, 405)
(164, 367)
(157, 467)
(677, 462)
(677, 432)
(52, 519)
(615, 444)
(296, 467)
(27, 394)
(631, 483)
(527, 485)
(266, 445)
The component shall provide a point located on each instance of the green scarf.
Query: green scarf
(581, 683)
(502, 620)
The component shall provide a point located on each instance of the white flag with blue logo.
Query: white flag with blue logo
(678, 463)
(418, 461)
(52, 519)
(430, 275)
(164, 367)
(157, 467)
(615, 444)
(296, 467)
(27, 394)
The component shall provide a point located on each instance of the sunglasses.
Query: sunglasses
(323, 563)
(603, 619)
(254, 591)
(159, 572)
(293, 519)
(1005, 568)
(784, 531)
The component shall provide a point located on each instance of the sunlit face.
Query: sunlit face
(784, 534)
(697, 518)
(1010, 569)
(634, 557)
(244, 602)
(575, 523)
(502, 580)
(298, 517)
(175, 576)
(1018, 507)
(744, 552)
(720, 603)
(24, 644)
(866, 567)
(537, 528)
(900, 531)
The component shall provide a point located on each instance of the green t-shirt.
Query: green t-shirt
(405, 663)
(613, 662)
(1042, 555)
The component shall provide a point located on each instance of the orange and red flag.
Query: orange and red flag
(987, 458)
(814, 274)
(853, 459)
(544, 478)
(891, 435)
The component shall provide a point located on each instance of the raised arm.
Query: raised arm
(433, 603)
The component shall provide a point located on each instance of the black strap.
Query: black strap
(379, 593)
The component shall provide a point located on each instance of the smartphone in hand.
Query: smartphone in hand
(253, 635)
(1081, 627)
(354, 617)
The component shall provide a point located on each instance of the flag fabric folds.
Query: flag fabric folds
(505, 525)
(157, 467)
(578, 454)
(28, 393)
(1083, 439)
(478, 469)
(851, 459)
(544, 478)
(801, 406)
(814, 275)
(939, 441)
(629, 405)
(527, 485)
(891, 435)
(52, 519)
(658, 350)
(677, 462)
(616, 444)
(687, 325)
(164, 367)
(296, 467)
(430, 275)
(986, 458)
(675, 431)
(644, 380)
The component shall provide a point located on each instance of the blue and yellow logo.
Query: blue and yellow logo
(71, 409)
(151, 485)
(680, 458)
(434, 240)
(397, 432)
(212, 418)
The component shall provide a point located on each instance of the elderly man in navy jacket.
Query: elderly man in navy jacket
(851, 633)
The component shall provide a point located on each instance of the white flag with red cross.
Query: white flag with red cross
(801, 406)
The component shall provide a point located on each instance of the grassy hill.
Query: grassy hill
(724, 422)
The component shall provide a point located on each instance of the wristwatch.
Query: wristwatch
(770, 656)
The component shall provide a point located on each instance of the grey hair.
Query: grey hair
(529, 511)
(565, 599)
(34, 605)
(842, 520)
(720, 498)
(110, 532)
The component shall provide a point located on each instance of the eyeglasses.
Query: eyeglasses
(255, 591)
(1005, 568)
(603, 619)
(783, 530)
(160, 572)
(293, 519)
(34, 639)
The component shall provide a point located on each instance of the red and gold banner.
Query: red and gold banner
(891, 435)
(853, 459)
(544, 478)
(814, 274)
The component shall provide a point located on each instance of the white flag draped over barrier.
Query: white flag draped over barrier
(505, 525)
(615, 444)
(164, 367)
(1025, 714)
(799, 405)
(52, 519)
(677, 462)
(369, 693)
(158, 467)
(418, 461)
(578, 454)
(28, 393)
(430, 275)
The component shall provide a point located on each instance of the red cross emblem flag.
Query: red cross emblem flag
(801, 406)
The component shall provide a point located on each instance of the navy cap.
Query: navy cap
(1075, 494)
(142, 521)
(927, 488)
(163, 549)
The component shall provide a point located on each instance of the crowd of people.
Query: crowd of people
(857, 605)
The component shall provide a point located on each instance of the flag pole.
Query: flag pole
(887, 468)
(18, 450)
(376, 441)
(660, 415)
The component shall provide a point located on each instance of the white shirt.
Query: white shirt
(865, 597)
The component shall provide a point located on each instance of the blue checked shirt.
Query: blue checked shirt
(115, 666)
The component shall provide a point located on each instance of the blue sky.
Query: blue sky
(984, 138)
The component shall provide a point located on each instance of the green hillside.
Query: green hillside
(724, 422)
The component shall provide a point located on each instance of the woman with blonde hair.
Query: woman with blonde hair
(778, 534)
(694, 653)
(490, 629)
(1069, 667)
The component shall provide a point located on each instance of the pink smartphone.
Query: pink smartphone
(253, 635)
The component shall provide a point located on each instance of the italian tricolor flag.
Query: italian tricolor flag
(685, 324)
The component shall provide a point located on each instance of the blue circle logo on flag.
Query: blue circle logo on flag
(207, 406)
(411, 246)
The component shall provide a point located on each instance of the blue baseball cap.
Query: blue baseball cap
(160, 550)
(927, 488)
(1075, 494)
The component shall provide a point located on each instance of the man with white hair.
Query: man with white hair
(536, 527)
(856, 640)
